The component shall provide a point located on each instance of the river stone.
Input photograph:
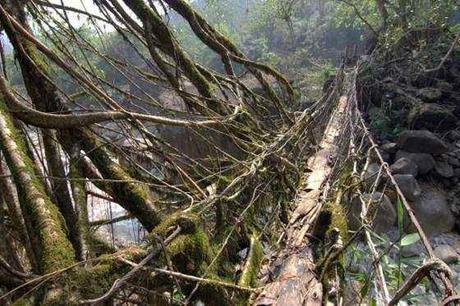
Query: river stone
(457, 172)
(424, 161)
(381, 211)
(432, 117)
(414, 249)
(408, 185)
(454, 135)
(453, 161)
(421, 141)
(429, 94)
(371, 173)
(432, 211)
(389, 147)
(385, 156)
(444, 169)
(446, 253)
(404, 166)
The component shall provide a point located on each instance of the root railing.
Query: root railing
(354, 148)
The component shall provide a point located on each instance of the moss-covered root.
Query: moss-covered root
(81, 206)
(45, 96)
(61, 191)
(131, 195)
(190, 253)
(252, 266)
(94, 280)
(43, 221)
(168, 45)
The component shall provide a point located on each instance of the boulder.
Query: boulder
(454, 161)
(414, 249)
(454, 135)
(432, 117)
(444, 169)
(432, 211)
(447, 182)
(409, 186)
(404, 166)
(424, 161)
(455, 97)
(381, 212)
(385, 156)
(422, 141)
(457, 172)
(389, 147)
(429, 94)
(371, 173)
(455, 152)
(446, 253)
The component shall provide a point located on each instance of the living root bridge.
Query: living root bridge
(211, 190)
(338, 174)
(298, 282)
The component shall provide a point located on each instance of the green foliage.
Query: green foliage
(190, 251)
(253, 263)
(226, 16)
(410, 239)
(379, 121)
(400, 215)
(263, 51)
(347, 16)
(328, 70)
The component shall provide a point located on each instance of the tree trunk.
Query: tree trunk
(130, 195)
(81, 205)
(42, 219)
(10, 197)
(61, 189)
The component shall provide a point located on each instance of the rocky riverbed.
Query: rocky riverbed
(416, 125)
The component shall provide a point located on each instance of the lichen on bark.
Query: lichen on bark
(43, 221)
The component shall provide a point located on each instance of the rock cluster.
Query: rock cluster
(416, 122)
(417, 157)
(420, 162)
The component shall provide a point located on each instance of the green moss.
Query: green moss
(22, 302)
(251, 268)
(95, 281)
(85, 283)
(190, 251)
(213, 294)
(44, 222)
(134, 197)
(338, 219)
(224, 267)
